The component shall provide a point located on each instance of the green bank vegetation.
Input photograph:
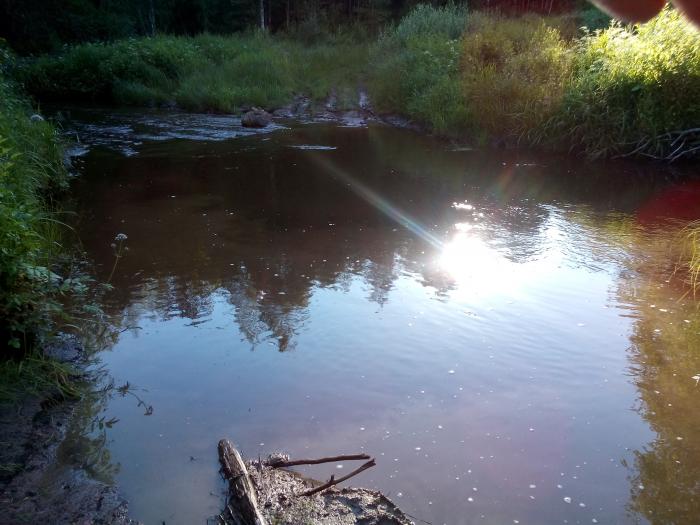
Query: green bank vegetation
(36, 279)
(690, 258)
(202, 73)
(531, 80)
(543, 82)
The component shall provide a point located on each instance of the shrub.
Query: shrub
(634, 91)
(200, 73)
(415, 68)
(30, 170)
(514, 73)
(428, 21)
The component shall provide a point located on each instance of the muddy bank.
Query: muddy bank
(40, 481)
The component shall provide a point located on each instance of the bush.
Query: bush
(203, 73)
(634, 91)
(30, 170)
(415, 68)
(428, 21)
(514, 73)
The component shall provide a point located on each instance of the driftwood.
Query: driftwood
(334, 481)
(277, 462)
(242, 506)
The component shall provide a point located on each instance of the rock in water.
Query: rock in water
(256, 118)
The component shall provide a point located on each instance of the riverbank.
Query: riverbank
(42, 285)
(529, 81)
(43, 289)
(46, 475)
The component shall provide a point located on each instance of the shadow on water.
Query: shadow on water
(481, 322)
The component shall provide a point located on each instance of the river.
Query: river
(504, 332)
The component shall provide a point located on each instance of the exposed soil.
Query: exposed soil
(37, 484)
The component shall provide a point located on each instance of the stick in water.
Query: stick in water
(331, 459)
(334, 481)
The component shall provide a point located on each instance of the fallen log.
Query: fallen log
(242, 506)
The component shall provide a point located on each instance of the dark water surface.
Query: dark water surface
(505, 335)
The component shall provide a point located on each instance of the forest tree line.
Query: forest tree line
(39, 26)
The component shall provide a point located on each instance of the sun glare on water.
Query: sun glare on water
(476, 266)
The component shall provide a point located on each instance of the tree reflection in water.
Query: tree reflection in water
(664, 356)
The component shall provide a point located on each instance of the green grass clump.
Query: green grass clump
(634, 91)
(37, 375)
(202, 73)
(690, 258)
(39, 290)
(514, 73)
(538, 81)
(31, 170)
(415, 68)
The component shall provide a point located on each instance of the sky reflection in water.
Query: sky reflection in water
(479, 323)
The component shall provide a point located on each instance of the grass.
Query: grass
(36, 375)
(690, 257)
(634, 92)
(513, 73)
(202, 73)
(31, 171)
(415, 69)
(608, 90)
(35, 284)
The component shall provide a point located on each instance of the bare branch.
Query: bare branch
(371, 463)
(279, 463)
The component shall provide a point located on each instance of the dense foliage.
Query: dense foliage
(535, 80)
(415, 68)
(528, 80)
(30, 170)
(514, 72)
(635, 90)
(200, 73)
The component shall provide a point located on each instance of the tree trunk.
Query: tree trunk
(151, 18)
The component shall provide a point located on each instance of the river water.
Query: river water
(504, 333)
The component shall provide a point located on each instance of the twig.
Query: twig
(334, 481)
(410, 516)
(282, 464)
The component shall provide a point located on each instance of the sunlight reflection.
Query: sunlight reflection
(473, 264)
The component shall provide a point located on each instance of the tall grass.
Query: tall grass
(514, 73)
(199, 73)
(31, 170)
(538, 81)
(415, 68)
(691, 253)
(35, 283)
(634, 91)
